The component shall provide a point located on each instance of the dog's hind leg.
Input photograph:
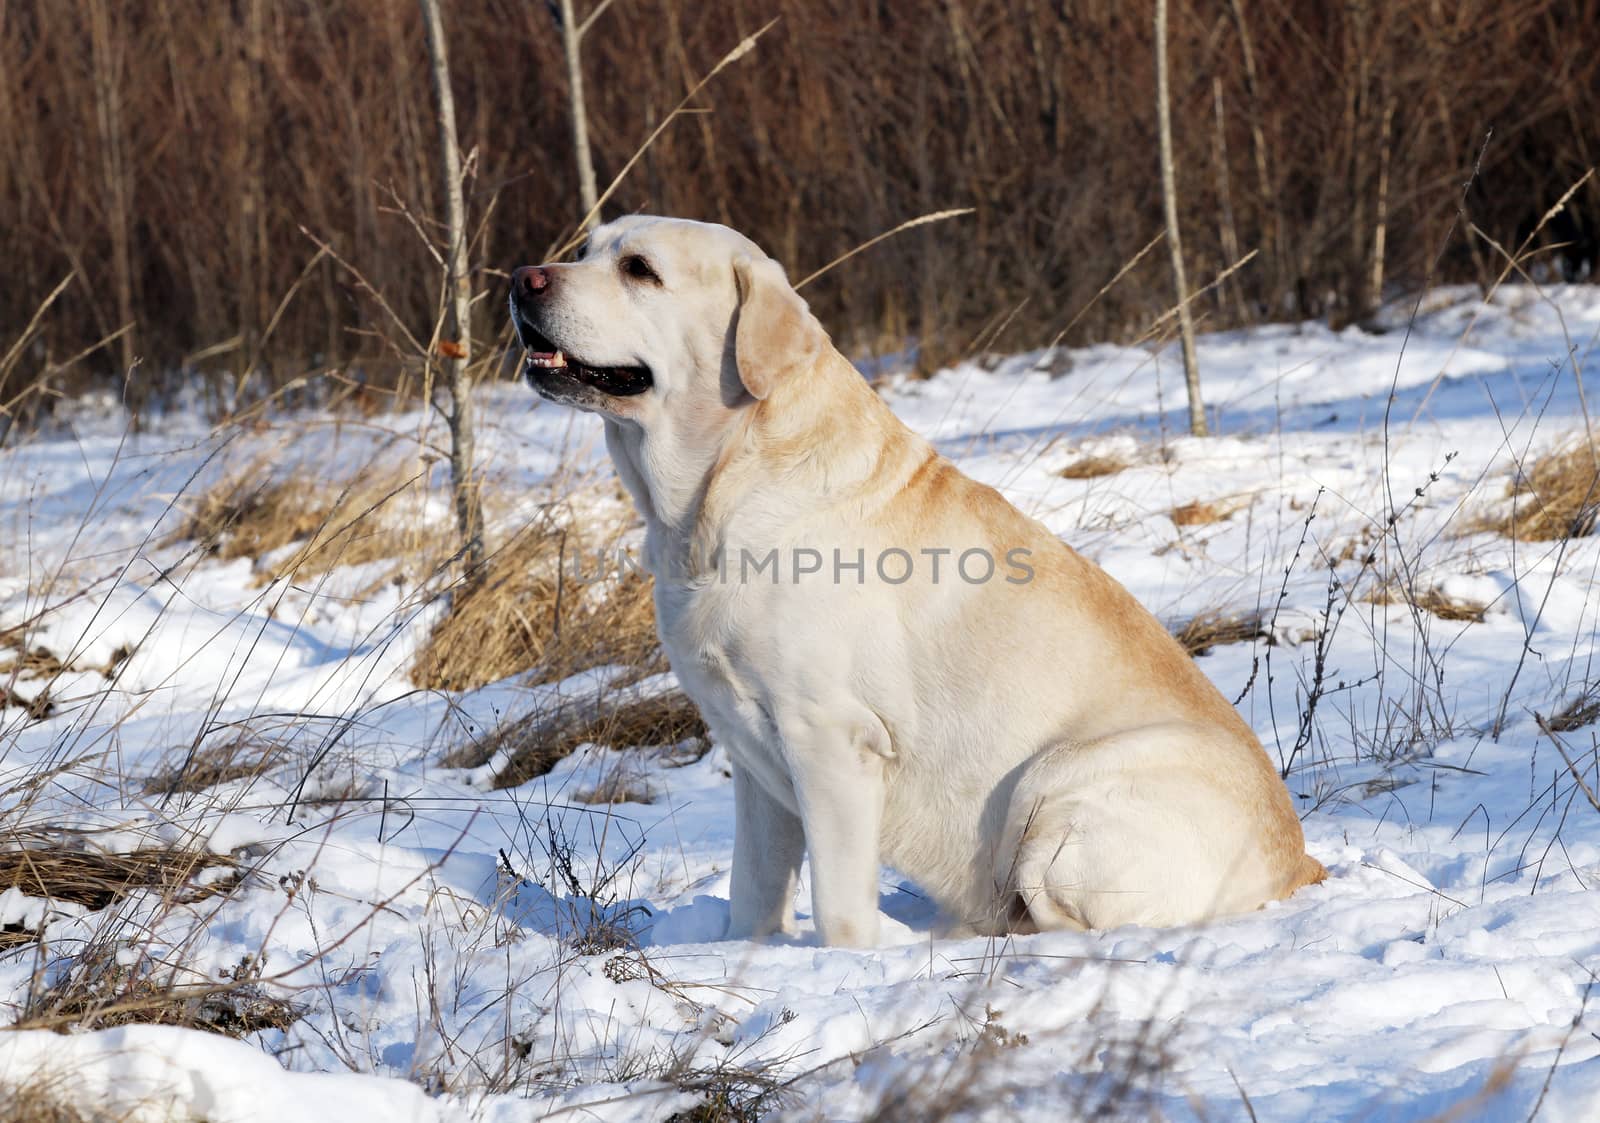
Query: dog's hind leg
(1126, 830)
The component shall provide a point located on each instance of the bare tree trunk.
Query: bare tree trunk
(245, 159)
(1169, 195)
(571, 47)
(1272, 231)
(1380, 225)
(1228, 231)
(108, 118)
(469, 519)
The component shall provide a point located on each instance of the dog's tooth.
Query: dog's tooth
(558, 359)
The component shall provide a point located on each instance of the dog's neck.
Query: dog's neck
(777, 447)
(668, 477)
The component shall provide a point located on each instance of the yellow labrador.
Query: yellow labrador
(902, 666)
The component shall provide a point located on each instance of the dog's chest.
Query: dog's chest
(707, 631)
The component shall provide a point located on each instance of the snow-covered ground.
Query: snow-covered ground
(427, 930)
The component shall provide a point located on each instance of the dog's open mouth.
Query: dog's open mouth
(546, 359)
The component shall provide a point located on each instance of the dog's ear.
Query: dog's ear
(776, 335)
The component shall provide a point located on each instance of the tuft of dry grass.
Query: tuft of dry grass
(253, 512)
(533, 748)
(1433, 601)
(51, 870)
(1581, 711)
(532, 745)
(39, 707)
(260, 510)
(243, 756)
(1216, 627)
(1205, 512)
(531, 611)
(1092, 466)
(1557, 495)
(26, 662)
(100, 990)
(43, 1099)
(58, 1094)
(94, 880)
(622, 783)
(35, 662)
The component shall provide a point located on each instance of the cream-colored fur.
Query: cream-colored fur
(1035, 753)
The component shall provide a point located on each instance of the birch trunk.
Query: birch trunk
(1380, 226)
(458, 304)
(108, 118)
(1169, 196)
(571, 47)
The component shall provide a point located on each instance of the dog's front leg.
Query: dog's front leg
(767, 847)
(838, 779)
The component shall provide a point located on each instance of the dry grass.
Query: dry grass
(533, 749)
(253, 512)
(306, 138)
(1092, 467)
(113, 981)
(38, 707)
(260, 510)
(94, 880)
(1581, 711)
(49, 870)
(100, 990)
(532, 745)
(1216, 627)
(242, 756)
(59, 1095)
(1205, 512)
(44, 1099)
(1433, 601)
(28, 662)
(1557, 495)
(622, 783)
(529, 612)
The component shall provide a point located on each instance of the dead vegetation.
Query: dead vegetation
(1582, 710)
(117, 977)
(257, 511)
(1434, 601)
(52, 869)
(38, 707)
(537, 609)
(623, 782)
(49, 1099)
(1306, 129)
(1118, 1074)
(1094, 466)
(1202, 512)
(532, 745)
(95, 880)
(101, 989)
(251, 513)
(1216, 627)
(1197, 513)
(242, 756)
(1555, 496)
(38, 667)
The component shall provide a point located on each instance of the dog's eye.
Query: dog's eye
(637, 267)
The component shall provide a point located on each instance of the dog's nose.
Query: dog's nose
(529, 281)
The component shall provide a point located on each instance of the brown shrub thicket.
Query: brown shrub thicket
(169, 154)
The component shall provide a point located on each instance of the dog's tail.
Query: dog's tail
(1311, 872)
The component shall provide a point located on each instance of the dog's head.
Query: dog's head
(660, 319)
